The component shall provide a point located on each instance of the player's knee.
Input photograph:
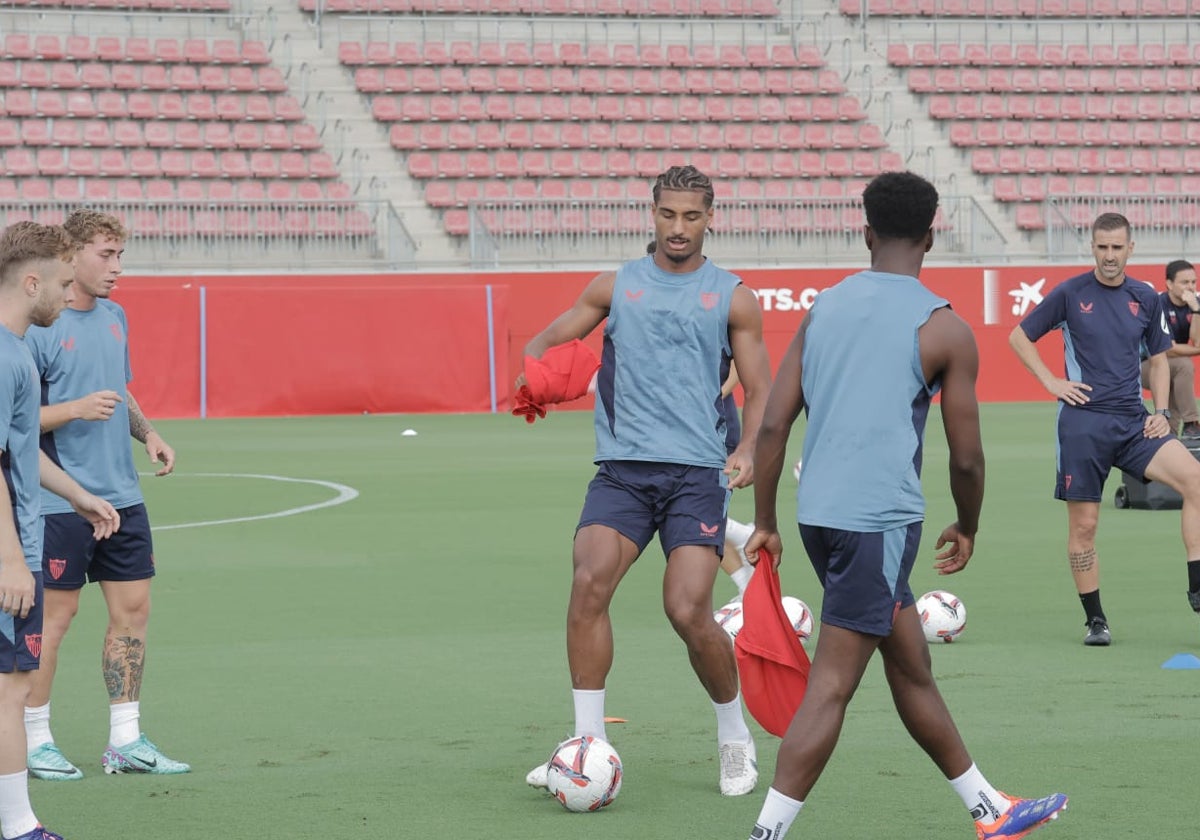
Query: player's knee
(59, 610)
(1083, 527)
(687, 617)
(909, 672)
(591, 588)
(131, 617)
(831, 687)
(14, 691)
(1189, 484)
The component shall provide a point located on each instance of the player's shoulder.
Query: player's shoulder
(35, 336)
(10, 342)
(723, 273)
(944, 320)
(111, 307)
(1077, 282)
(1144, 291)
(14, 353)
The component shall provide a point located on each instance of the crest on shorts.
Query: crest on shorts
(709, 299)
(33, 641)
(57, 566)
(1067, 481)
(1133, 307)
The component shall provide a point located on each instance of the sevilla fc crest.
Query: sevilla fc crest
(1133, 307)
(57, 567)
(33, 641)
(709, 299)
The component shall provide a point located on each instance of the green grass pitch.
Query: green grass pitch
(391, 667)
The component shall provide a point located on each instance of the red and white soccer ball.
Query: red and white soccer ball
(730, 618)
(585, 774)
(800, 616)
(943, 616)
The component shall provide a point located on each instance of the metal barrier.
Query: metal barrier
(248, 235)
(239, 24)
(992, 31)
(641, 30)
(751, 232)
(1166, 227)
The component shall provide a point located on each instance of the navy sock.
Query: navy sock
(1194, 575)
(1091, 605)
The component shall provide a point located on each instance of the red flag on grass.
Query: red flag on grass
(772, 664)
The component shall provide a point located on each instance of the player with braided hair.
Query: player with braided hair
(675, 324)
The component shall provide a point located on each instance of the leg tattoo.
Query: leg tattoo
(124, 659)
(1082, 561)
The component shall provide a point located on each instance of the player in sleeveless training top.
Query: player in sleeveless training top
(675, 322)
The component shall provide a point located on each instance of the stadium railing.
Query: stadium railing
(248, 236)
(1163, 226)
(751, 232)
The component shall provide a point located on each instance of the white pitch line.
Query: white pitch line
(344, 494)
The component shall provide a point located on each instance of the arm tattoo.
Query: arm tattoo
(124, 661)
(1082, 561)
(139, 426)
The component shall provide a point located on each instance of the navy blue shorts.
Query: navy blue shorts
(1091, 443)
(864, 575)
(685, 504)
(21, 638)
(70, 553)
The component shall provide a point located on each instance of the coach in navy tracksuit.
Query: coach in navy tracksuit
(1108, 320)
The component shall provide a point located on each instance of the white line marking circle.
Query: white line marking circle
(344, 493)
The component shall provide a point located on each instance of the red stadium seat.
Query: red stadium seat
(545, 135)
(159, 135)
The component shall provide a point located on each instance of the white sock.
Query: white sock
(731, 725)
(737, 532)
(16, 814)
(37, 727)
(589, 713)
(123, 723)
(741, 577)
(982, 800)
(776, 817)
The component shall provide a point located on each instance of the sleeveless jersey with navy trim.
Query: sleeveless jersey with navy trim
(20, 421)
(1106, 332)
(1179, 318)
(867, 401)
(82, 352)
(666, 354)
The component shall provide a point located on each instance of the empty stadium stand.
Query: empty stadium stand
(1057, 120)
(180, 135)
(573, 121)
(496, 130)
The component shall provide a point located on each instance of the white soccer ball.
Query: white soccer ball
(943, 616)
(584, 774)
(800, 616)
(730, 618)
(796, 469)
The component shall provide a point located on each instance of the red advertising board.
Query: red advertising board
(225, 346)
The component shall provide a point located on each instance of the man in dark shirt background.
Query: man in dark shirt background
(1180, 305)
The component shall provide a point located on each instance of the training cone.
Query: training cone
(1182, 662)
